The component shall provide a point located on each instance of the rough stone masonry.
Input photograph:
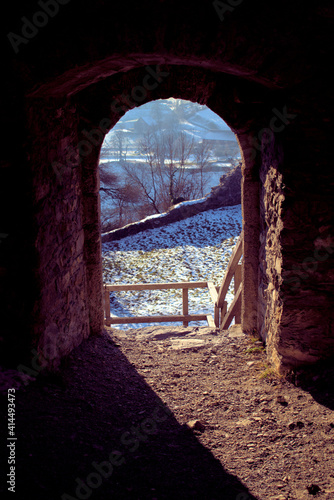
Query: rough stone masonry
(263, 67)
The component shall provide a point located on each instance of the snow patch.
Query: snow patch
(194, 249)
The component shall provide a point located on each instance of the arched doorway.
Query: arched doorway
(166, 161)
(262, 71)
(74, 155)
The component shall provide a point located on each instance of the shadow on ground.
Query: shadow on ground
(99, 410)
(318, 380)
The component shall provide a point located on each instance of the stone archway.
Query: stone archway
(272, 92)
(96, 109)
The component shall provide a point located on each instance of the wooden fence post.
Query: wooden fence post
(223, 311)
(216, 316)
(107, 305)
(185, 317)
(237, 282)
(185, 310)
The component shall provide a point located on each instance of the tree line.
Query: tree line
(172, 170)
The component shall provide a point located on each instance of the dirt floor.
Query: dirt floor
(177, 414)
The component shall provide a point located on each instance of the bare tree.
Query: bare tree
(145, 181)
(119, 143)
(124, 198)
(178, 177)
(165, 176)
(147, 178)
(109, 180)
(203, 152)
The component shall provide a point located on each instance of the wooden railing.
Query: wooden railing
(222, 316)
(185, 317)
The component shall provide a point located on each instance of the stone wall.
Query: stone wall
(270, 256)
(61, 309)
(297, 247)
(263, 67)
(307, 243)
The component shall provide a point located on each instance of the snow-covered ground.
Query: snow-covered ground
(194, 249)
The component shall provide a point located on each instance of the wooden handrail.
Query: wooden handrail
(185, 317)
(158, 319)
(230, 314)
(156, 286)
(235, 257)
(213, 291)
(223, 315)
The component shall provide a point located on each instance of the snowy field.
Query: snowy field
(194, 249)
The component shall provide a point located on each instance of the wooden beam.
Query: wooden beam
(216, 316)
(212, 291)
(185, 317)
(223, 311)
(185, 310)
(237, 283)
(210, 321)
(227, 319)
(235, 257)
(214, 297)
(156, 286)
(237, 277)
(107, 304)
(155, 319)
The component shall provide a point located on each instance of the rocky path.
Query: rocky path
(177, 413)
(274, 436)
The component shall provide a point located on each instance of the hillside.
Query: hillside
(227, 193)
(194, 249)
(198, 120)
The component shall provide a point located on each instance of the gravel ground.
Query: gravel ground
(173, 413)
